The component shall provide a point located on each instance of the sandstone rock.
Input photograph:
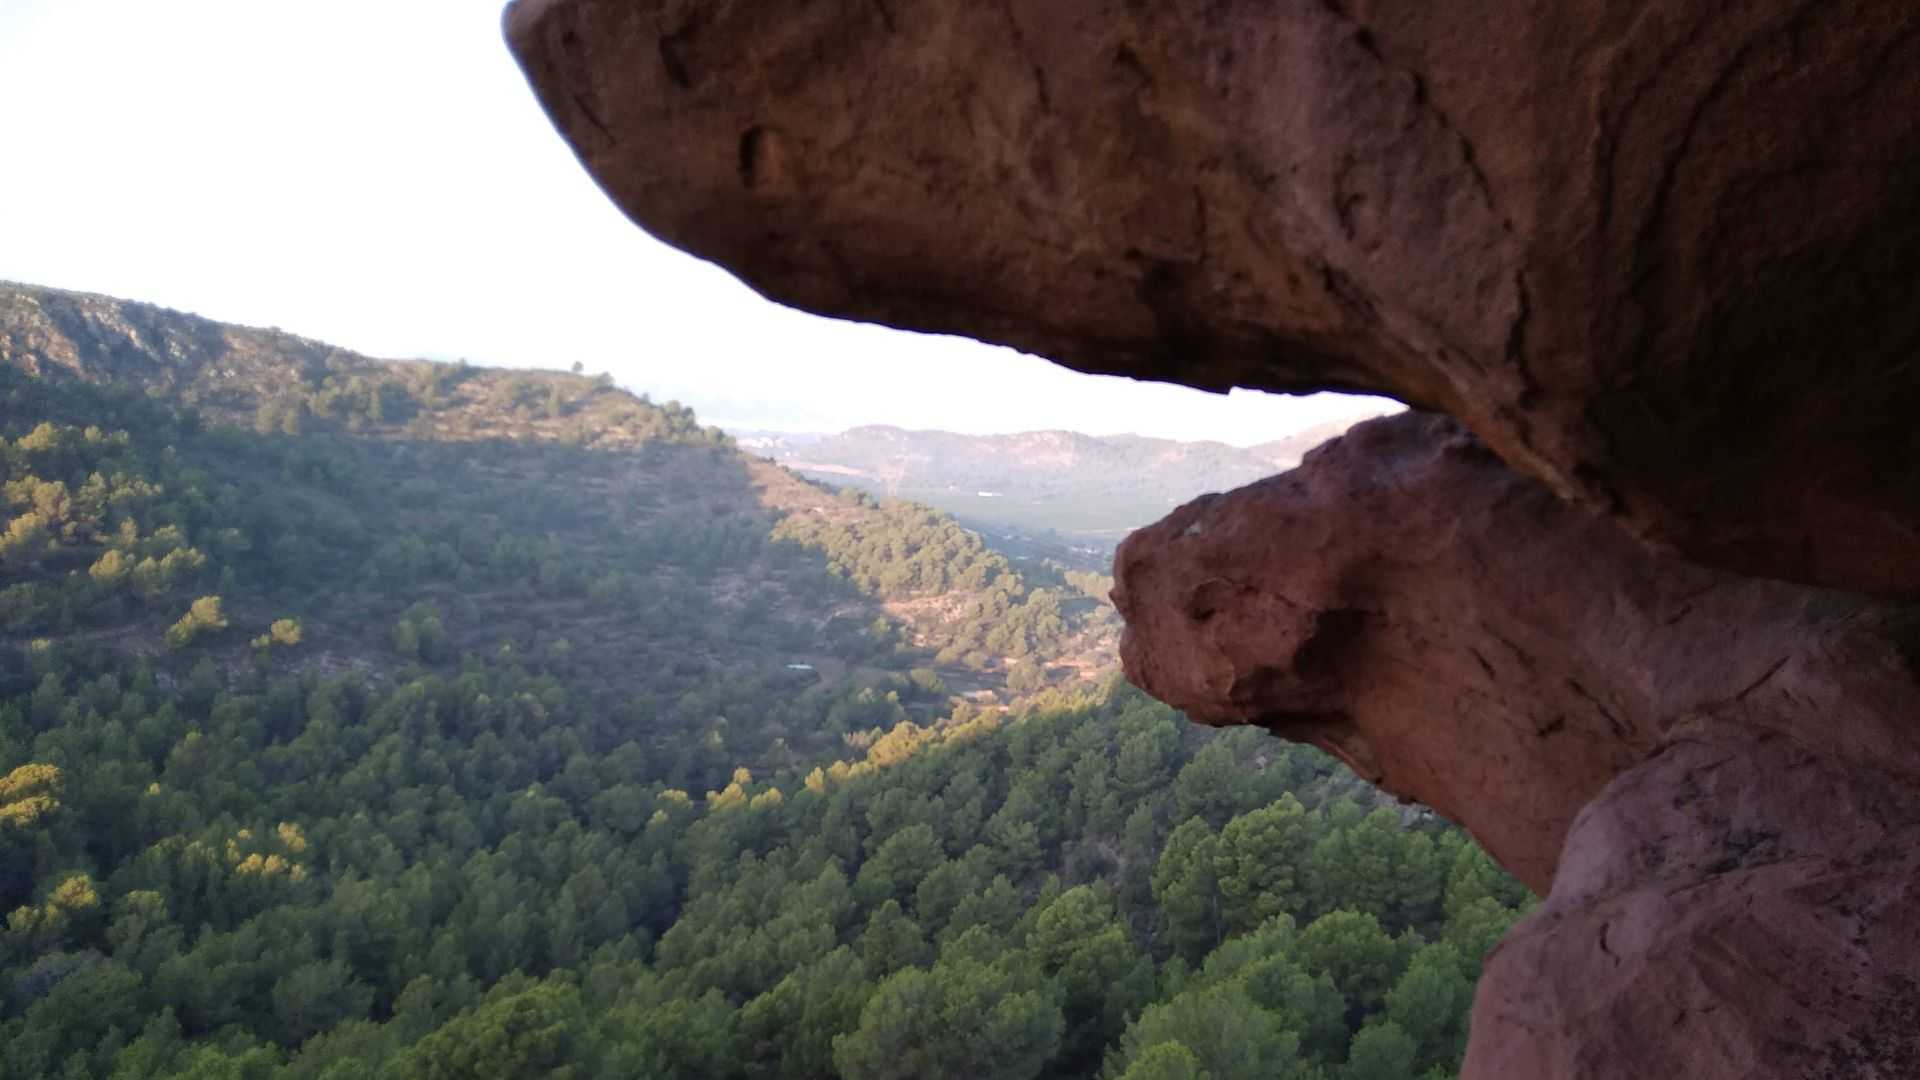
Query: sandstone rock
(1661, 265)
(1741, 905)
(1460, 636)
(1715, 776)
(1648, 253)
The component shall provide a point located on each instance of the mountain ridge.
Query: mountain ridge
(627, 461)
(1092, 489)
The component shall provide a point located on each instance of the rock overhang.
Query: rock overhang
(1664, 259)
(1659, 264)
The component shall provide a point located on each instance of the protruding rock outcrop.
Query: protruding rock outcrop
(1662, 262)
(1715, 776)
(1462, 637)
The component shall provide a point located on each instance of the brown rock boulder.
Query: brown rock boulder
(1650, 254)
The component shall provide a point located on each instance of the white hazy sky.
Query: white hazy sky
(375, 173)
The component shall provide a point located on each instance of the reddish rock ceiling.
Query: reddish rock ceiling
(1660, 256)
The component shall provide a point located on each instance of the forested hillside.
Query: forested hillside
(544, 512)
(367, 718)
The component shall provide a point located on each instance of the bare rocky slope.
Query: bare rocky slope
(1639, 614)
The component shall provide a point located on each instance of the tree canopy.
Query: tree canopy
(414, 721)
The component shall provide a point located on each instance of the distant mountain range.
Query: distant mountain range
(1087, 490)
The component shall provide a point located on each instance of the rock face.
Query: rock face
(1716, 776)
(1639, 608)
(1742, 905)
(1460, 636)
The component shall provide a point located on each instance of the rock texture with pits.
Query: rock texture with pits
(1647, 253)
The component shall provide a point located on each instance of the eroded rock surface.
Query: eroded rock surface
(1610, 238)
(1742, 905)
(1713, 779)
(1659, 263)
(1461, 636)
